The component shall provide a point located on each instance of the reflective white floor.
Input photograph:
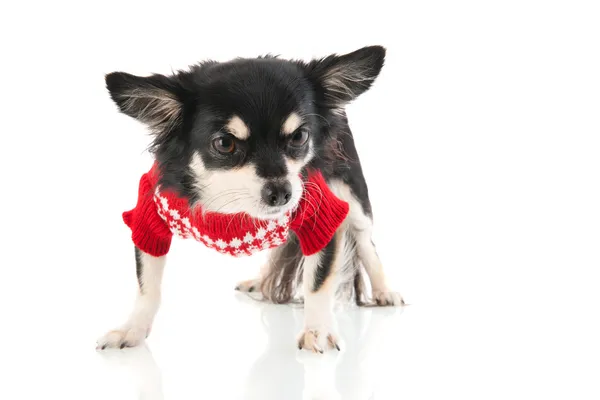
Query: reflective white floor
(243, 349)
(267, 368)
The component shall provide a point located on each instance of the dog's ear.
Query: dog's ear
(153, 100)
(343, 78)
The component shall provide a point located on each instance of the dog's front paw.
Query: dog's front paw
(124, 337)
(317, 340)
(385, 298)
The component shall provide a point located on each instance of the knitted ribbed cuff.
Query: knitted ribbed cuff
(149, 231)
(319, 215)
(148, 241)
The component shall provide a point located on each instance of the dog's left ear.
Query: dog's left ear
(343, 78)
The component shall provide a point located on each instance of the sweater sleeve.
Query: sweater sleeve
(149, 231)
(318, 216)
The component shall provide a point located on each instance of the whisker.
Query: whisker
(320, 116)
(206, 204)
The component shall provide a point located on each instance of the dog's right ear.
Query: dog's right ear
(152, 100)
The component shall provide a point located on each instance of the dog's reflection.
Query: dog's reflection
(141, 367)
(282, 371)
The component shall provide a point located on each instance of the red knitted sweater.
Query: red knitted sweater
(159, 215)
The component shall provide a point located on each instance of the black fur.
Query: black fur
(263, 92)
(340, 160)
(139, 268)
(328, 255)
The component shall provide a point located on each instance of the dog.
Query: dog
(238, 137)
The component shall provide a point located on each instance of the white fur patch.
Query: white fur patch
(292, 123)
(320, 326)
(138, 326)
(238, 128)
(239, 190)
(318, 306)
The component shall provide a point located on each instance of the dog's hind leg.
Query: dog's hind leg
(361, 226)
(255, 284)
(149, 273)
(279, 276)
(381, 293)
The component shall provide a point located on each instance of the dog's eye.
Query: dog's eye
(299, 138)
(224, 145)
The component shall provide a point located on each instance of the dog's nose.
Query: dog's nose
(276, 193)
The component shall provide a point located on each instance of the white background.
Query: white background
(480, 144)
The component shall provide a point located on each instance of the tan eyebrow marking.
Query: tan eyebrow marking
(292, 123)
(238, 128)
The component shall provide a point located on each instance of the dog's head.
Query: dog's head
(235, 136)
